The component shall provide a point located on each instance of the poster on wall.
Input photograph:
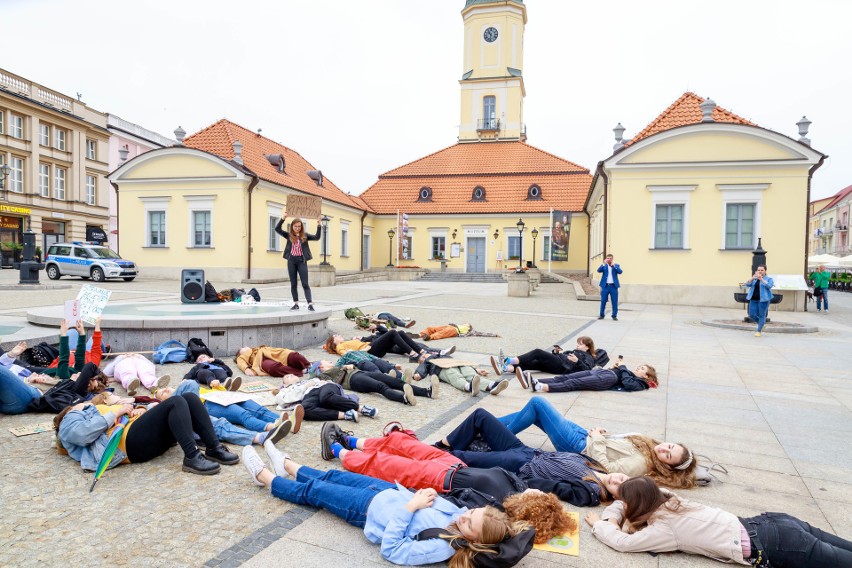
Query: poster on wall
(559, 235)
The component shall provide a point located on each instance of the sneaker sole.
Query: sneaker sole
(501, 386)
(521, 379)
(435, 382)
(164, 381)
(199, 472)
(235, 385)
(474, 386)
(495, 366)
(407, 375)
(325, 446)
(409, 395)
(297, 417)
(278, 434)
(133, 387)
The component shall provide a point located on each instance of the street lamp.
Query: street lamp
(391, 233)
(534, 234)
(5, 170)
(325, 219)
(520, 224)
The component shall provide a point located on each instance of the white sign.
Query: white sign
(72, 312)
(789, 282)
(92, 302)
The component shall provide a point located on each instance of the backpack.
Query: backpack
(196, 347)
(210, 294)
(236, 294)
(171, 351)
(352, 313)
(509, 552)
(704, 474)
(41, 355)
(254, 294)
(601, 358)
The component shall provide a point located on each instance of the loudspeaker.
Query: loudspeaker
(192, 286)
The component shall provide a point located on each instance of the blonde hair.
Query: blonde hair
(496, 527)
(661, 472)
(543, 511)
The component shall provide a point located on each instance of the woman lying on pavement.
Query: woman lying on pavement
(379, 330)
(668, 463)
(380, 346)
(460, 374)
(580, 359)
(401, 457)
(617, 378)
(265, 361)
(392, 388)
(211, 372)
(390, 515)
(84, 430)
(660, 521)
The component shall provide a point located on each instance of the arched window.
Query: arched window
(425, 194)
(534, 192)
(478, 193)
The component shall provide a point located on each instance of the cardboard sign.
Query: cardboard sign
(32, 429)
(304, 206)
(72, 312)
(92, 302)
(255, 386)
(564, 544)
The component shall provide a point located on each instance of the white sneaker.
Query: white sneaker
(408, 395)
(499, 387)
(474, 386)
(253, 464)
(276, 457)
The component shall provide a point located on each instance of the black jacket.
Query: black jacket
(191, 375)
(584, 361)
(629, 382)
(306, 249)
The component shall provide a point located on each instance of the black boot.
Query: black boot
(200, 465)
(221, 454)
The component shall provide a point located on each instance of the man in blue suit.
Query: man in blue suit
(609, 285)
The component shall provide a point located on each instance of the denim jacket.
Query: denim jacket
(394, 527)
(765, 293)
(83, 433)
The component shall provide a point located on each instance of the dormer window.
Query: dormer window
(425, 194)
(534, 192)
(478, 193)
(277, 160)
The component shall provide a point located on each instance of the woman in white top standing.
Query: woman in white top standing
(649, 519)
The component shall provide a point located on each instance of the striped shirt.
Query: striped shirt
(558, 466)
(296, 249)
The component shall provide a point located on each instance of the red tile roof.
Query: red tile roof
(218, 139)
(836, 198)
(505, 170)
(686, 110)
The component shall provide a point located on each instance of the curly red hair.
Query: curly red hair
(544, 511)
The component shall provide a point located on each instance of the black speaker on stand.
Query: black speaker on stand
(192, 286)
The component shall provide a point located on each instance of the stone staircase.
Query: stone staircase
(490, 278)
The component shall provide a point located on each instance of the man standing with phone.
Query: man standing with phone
(609, 285)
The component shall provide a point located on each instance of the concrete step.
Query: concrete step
(463, 277)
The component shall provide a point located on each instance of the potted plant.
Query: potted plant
(38, 254)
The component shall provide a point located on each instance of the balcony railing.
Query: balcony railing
(488, 124)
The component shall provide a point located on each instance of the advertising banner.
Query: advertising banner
(559, 235)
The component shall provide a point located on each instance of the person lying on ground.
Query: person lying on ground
(380, 346)
(367, 362)
(460, 374)
(322, 400)
(84, 430)
(392, 388)
(92, 352)
(210, 372)
(378, 330)
(382, 318)
(668, 463)
(452, 330)
(582, 358)
(390, 515)
(647, 518)
(10, 361)
(242, 423)
(267, 361)
(508, 452)
(399, 456)
(133, 369)
(617, 378)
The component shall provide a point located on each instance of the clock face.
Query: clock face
(490, 35)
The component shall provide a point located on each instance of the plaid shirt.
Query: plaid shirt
(354, 357)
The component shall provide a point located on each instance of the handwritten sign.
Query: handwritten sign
(72, 312)
(92, 301)
(304, 206)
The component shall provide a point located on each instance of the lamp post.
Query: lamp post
(391, 233)
(5, 170)
(325, 219)
(520, 224)
(534, 234)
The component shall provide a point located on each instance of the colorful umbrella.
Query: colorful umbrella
(109, 452)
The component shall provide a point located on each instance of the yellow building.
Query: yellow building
(683, 204)
(213, 202)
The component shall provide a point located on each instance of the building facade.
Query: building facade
(56, 149)
(829, 223)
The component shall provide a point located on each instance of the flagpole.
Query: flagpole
(550, 254)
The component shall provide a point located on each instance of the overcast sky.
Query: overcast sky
(361, 87)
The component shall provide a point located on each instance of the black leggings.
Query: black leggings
(541, 360)
(296, 265)
(174, 420)
(382, 344)
(207, 376)
(325, 402)
(385, 385)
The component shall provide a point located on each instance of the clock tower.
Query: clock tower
(492, 83)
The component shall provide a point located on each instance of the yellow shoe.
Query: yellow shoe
(757, 334)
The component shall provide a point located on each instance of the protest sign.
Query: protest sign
(92, 301)
(568, 543)
(72, 312)
(304, 206)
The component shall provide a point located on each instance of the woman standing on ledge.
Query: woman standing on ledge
(298, 253)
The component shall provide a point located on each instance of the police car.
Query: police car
(87, 261)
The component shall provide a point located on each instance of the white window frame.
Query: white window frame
(670, 195)
(344, 239)
(545, 236)
(735, 194)
(59, 139)
(16, 175)
(91, 189)
(44, 179)
(156, 205)
(44, 135)
(16, 126)
(199, 204)
(437, 233)
(509, 240)
(273, 211)
(91, 149)
(149, 242)
(2, 121)
(206, 230)
(60, 176)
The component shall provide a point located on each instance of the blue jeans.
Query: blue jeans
(507, 451)
(823, 297)
(564, 434)
(249, 413)
(790, 542)
(342, 493)
(609, 291)
(227, 432)
(15, 394)
(390, 318)
(757, 312)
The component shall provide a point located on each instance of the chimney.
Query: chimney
(180, 134)
(238, 152)
(803, 125)
(707, 110)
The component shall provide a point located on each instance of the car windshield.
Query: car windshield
(103, 253)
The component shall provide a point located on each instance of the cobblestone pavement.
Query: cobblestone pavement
(748, 402)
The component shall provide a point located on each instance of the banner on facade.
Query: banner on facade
(305, 207)
(559, 235)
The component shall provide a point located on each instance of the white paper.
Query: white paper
(92, 300)
(226, 398)
(72, 312)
